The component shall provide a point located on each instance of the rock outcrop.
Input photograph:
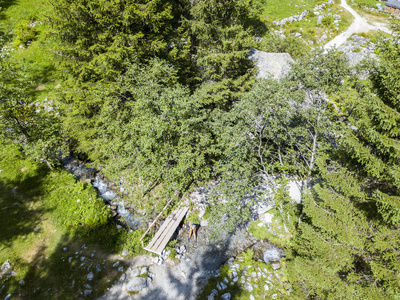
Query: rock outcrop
(275, 65)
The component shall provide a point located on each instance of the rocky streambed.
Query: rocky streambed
(123, 215)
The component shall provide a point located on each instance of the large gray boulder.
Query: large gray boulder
(275, 65)
(272, 254)
(136, 284)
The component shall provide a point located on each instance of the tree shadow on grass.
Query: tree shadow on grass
(20, 209)
(63, 272)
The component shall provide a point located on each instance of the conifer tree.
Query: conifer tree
(350, 228)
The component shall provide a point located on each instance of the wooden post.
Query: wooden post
(152, 224)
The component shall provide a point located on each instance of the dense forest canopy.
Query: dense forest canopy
(162, 94)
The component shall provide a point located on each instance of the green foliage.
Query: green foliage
(133, 243)
(223, 32)
(78, 208)
(351, 217)
(327, 21)
(193, 218)
(104, 35)
(259, 232)
(34, 125)
(75, 204)
(25, 34)
(158, 135)
(277, 44)
(337, 235)
(248, 256)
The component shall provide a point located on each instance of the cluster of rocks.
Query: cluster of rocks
(248, 280)
(6, 270)
(292, 19)
(180, 254)
(87, 263)
(301, 16)
(47, 105)
(358, 44)
(322, 6)
(358, 48)
(137, 279)
(336, 18)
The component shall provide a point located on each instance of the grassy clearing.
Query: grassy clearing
(279, 9)
(48, 260)
(18, 18)
(310, 29)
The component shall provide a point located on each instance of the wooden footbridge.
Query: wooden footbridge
(167, 229)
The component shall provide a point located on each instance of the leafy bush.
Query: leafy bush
(133, 243)
(327, 21)
(25, 34)
(257, 231)
(275, 43)
(193, 218)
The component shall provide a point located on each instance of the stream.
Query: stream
(105, 190)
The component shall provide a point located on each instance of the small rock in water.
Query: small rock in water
(223, 285)
(90, 276)
(87, 292)
(214, 292)
(235, 279)
(121, 269)
(226, 280)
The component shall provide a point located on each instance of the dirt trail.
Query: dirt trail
(182, 281)
(359, 25)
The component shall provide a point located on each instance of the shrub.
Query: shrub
(193, 218)
(133, 243)
(25, 34)
(327, 21)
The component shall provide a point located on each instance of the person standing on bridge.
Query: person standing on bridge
(192, 230)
